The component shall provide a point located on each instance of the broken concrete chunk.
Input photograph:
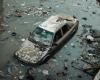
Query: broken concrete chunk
(89, 37)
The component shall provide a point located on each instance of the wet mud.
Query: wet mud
(71, 62)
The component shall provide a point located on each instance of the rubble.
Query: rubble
(21, 77)
(18, 13)
(23, 39)
(72, 44)
(45, 72)
(90, 38)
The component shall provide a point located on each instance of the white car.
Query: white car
(47, 38)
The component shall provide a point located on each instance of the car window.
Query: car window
(42, 36)
(57, 36)
(65, 28)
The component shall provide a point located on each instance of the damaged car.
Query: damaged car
(47, 38)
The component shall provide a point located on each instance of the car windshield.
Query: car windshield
(42, 36)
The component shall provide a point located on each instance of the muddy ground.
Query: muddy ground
(22, 16)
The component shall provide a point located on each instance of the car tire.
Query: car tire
(44, 59)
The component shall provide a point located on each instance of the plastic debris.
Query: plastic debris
(23, 39)
(18, 13)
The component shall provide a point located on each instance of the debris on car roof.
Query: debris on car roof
(55, 22)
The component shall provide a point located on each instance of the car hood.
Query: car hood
(31, 52)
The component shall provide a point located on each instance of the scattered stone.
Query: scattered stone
(21, 77)
(72, 44)
(65, 66)
(49, 7)
(89, 38)
(23, 39)
(45, 72)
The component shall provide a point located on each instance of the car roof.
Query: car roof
(53, 23)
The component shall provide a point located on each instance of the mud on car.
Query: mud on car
(47, 38)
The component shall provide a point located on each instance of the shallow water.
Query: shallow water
(25, 24)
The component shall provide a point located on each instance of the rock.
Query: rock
(49, 7)
(90, 38)
(23, 39)
(18, 13)
(72, 44)
(45, 72)
(65, 66)
(21, 77)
